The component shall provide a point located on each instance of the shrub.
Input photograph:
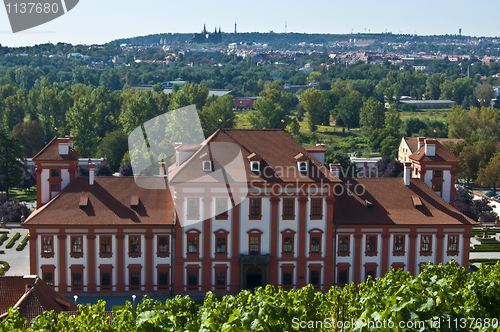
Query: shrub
(23, 243)
(3, 267)
(13, 240)
(3, 238)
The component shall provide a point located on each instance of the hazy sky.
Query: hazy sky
(97, 22)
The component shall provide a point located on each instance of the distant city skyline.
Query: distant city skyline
(94, 22)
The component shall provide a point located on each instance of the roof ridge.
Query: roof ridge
(44, 148)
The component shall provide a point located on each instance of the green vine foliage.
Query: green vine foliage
(440, 298)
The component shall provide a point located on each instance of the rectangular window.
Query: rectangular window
(135, 244)
(371, 244)
(105, 244)
(254, 245)
(399, 243)
(314, 278)
(193, 245)
(77, 279)
(54, 173)
(193, 208)
(54, 187)
(288, 245)
(343, 274)
(192, 278)
(163, 278)
(105, 278)
(135, 278)
(163, 244)
(221, 207)
(48, 277)
(370, 273)
(438, 174)
(76, 244)
(436, 187)
(221, 278)
(47, 244)
(221, 245)
(343, 244)
(287, 278)
(255, 207)
(453, 243)
(288, 207)
(315, 244)
(316, 207)
(426, 244)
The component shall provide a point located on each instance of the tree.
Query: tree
(372, 116)
(28, 178)
(389, 168)
(103, 170)
(446, 90)
(12, 211)
(473, 208)
(433, 83)
(113, 146)
(458, 124)
(462, 87)
(414, 126)
(136, 110)
(311, 101)
(11, 168)
(347, 168)
(393, 118)
(217, 114)
(30, 135)
(126, 170)
(348, 110)
(484, 93)
(84, 120)
(473, 158)
(489, 176)
(267, 115)
(191, 93)
(14, 110)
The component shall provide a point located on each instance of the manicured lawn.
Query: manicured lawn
(28, 195)
(479, 231)
(3, 266)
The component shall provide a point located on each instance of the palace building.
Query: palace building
(289, 222)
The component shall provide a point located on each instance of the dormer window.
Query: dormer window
(255, 166)
(302, 165)
(302, 161)
(207, 166)
(255, 160)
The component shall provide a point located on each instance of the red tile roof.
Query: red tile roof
(32, 296)
(51, 152)
(413, 142)
(109, 203)
(393, 204)
(442, 155)
(315, 149)
(276, 148)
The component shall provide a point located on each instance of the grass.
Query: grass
(3, 267)
(13, 240)
(28, 195)
(486, 247)
(23, 243)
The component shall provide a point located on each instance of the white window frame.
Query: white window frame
(299, 163)
(203, 163)
(252, 163)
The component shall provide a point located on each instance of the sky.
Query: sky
(98, 22)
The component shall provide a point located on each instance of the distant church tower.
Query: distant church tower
(234, 27)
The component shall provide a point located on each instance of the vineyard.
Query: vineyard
(441, 298)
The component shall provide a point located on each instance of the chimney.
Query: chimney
(91, 174)
(430, 147)
(407, 173)
(335, 169)
(71, 138)
(161, 165)
(64, 144)
(420, 142)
